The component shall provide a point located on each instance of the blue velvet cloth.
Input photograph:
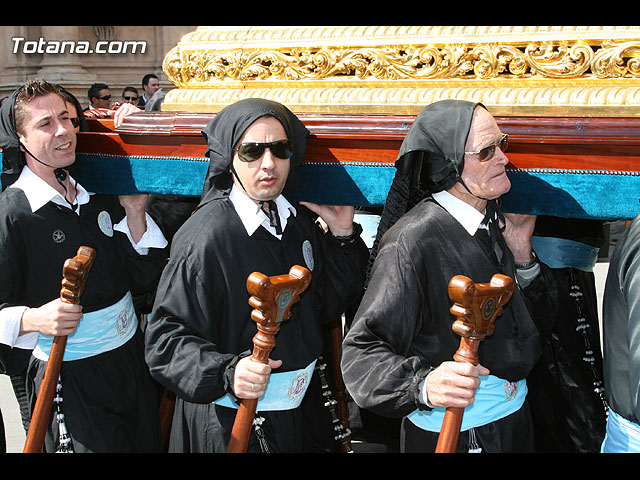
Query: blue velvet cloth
(596, 194)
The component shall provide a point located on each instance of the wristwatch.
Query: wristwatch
(348, 239)
(529, 264)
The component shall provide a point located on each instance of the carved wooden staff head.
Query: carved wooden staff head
(477, 305)
(75, 272)
(272, 299)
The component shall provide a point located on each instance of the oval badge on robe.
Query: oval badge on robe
(307, 253)
(104, 222)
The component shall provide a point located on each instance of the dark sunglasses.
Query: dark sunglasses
(130, 98)
(106, 97)
(252, 151)
(485, 154)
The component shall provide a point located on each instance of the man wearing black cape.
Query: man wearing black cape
(442, 219)
(199, 335)
(107, 401)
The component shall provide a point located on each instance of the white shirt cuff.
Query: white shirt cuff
(525, 277)
(422, 387)
(10, 318)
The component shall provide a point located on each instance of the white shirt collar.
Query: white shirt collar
(39, 192)
(252, 215)
(465, 214)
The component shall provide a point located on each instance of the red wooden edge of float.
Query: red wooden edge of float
(589, 143)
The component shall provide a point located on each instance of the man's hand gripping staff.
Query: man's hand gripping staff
(477, 305)
(272, 299)
(74, 271)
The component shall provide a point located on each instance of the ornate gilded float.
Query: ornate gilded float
(569, 97)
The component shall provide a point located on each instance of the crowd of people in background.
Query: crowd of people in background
(102, 102)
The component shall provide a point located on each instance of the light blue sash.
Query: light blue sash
(563, 253)
(284, 391)
(495, 399)
(623, 436)
(97, 332)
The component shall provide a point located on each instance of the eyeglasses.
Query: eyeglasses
(485, 154)
(252, 151)
(130, 98)
(106, 97)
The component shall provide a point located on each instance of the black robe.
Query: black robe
(109, 399)
(566, 387)
(403, 325)
(201, 325)
(621, 328)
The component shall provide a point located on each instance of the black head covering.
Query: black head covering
(226, 129)
(430, 159)
(13, 158)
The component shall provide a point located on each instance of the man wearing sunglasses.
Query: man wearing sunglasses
(130, 95)
(99, 96)
(442, 219)
(199, 336)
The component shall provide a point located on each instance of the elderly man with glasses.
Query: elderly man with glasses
(442, 218)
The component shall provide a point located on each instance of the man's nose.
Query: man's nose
(500, 156)
(62, 129)
(267, 160)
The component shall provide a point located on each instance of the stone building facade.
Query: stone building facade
(77, 56)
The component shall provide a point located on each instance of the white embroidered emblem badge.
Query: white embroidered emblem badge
(307, 253)
(122, 321)
(298, 385)
(510, 390)
(104, 222)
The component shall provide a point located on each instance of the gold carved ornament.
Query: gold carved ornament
(430, 62)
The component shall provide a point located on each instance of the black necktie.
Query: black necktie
(492, 220)
(272, 213)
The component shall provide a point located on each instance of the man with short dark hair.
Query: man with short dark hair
(130, 95)
(99, 96)
(109, 402)
(150, 85)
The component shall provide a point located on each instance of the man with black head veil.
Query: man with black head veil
(109, 400)
(442, 219)
(199, 336)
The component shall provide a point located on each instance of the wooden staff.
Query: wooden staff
(342, 428)
(74, 273)
(272, 299)
(477, 305)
